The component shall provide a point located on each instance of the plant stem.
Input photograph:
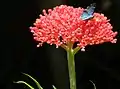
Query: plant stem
(71, 68)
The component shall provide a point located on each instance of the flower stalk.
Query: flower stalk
(71, 68)
(71, 64)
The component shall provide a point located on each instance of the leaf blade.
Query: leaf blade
(38, 85)
(54, 87)
(19, 82)
(93, 84)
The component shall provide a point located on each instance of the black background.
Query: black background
(100, 63)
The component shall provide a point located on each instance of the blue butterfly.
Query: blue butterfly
(88, 13)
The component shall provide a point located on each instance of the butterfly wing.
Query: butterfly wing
(85, 15)
(90, 9)
(88, 13)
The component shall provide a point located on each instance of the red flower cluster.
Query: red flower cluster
(63, 24)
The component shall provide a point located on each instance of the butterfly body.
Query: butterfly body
(88, 13)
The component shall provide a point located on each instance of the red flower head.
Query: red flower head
(63, 25)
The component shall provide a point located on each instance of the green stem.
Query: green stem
(71, 68)
(76, 50)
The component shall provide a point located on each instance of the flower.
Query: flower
(63, 25)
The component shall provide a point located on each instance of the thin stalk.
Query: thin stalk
(71, 68)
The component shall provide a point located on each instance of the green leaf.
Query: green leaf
(54, 87)
(38, 85)
(93, 84)
(25, 84)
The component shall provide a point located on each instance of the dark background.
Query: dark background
(100, 63)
